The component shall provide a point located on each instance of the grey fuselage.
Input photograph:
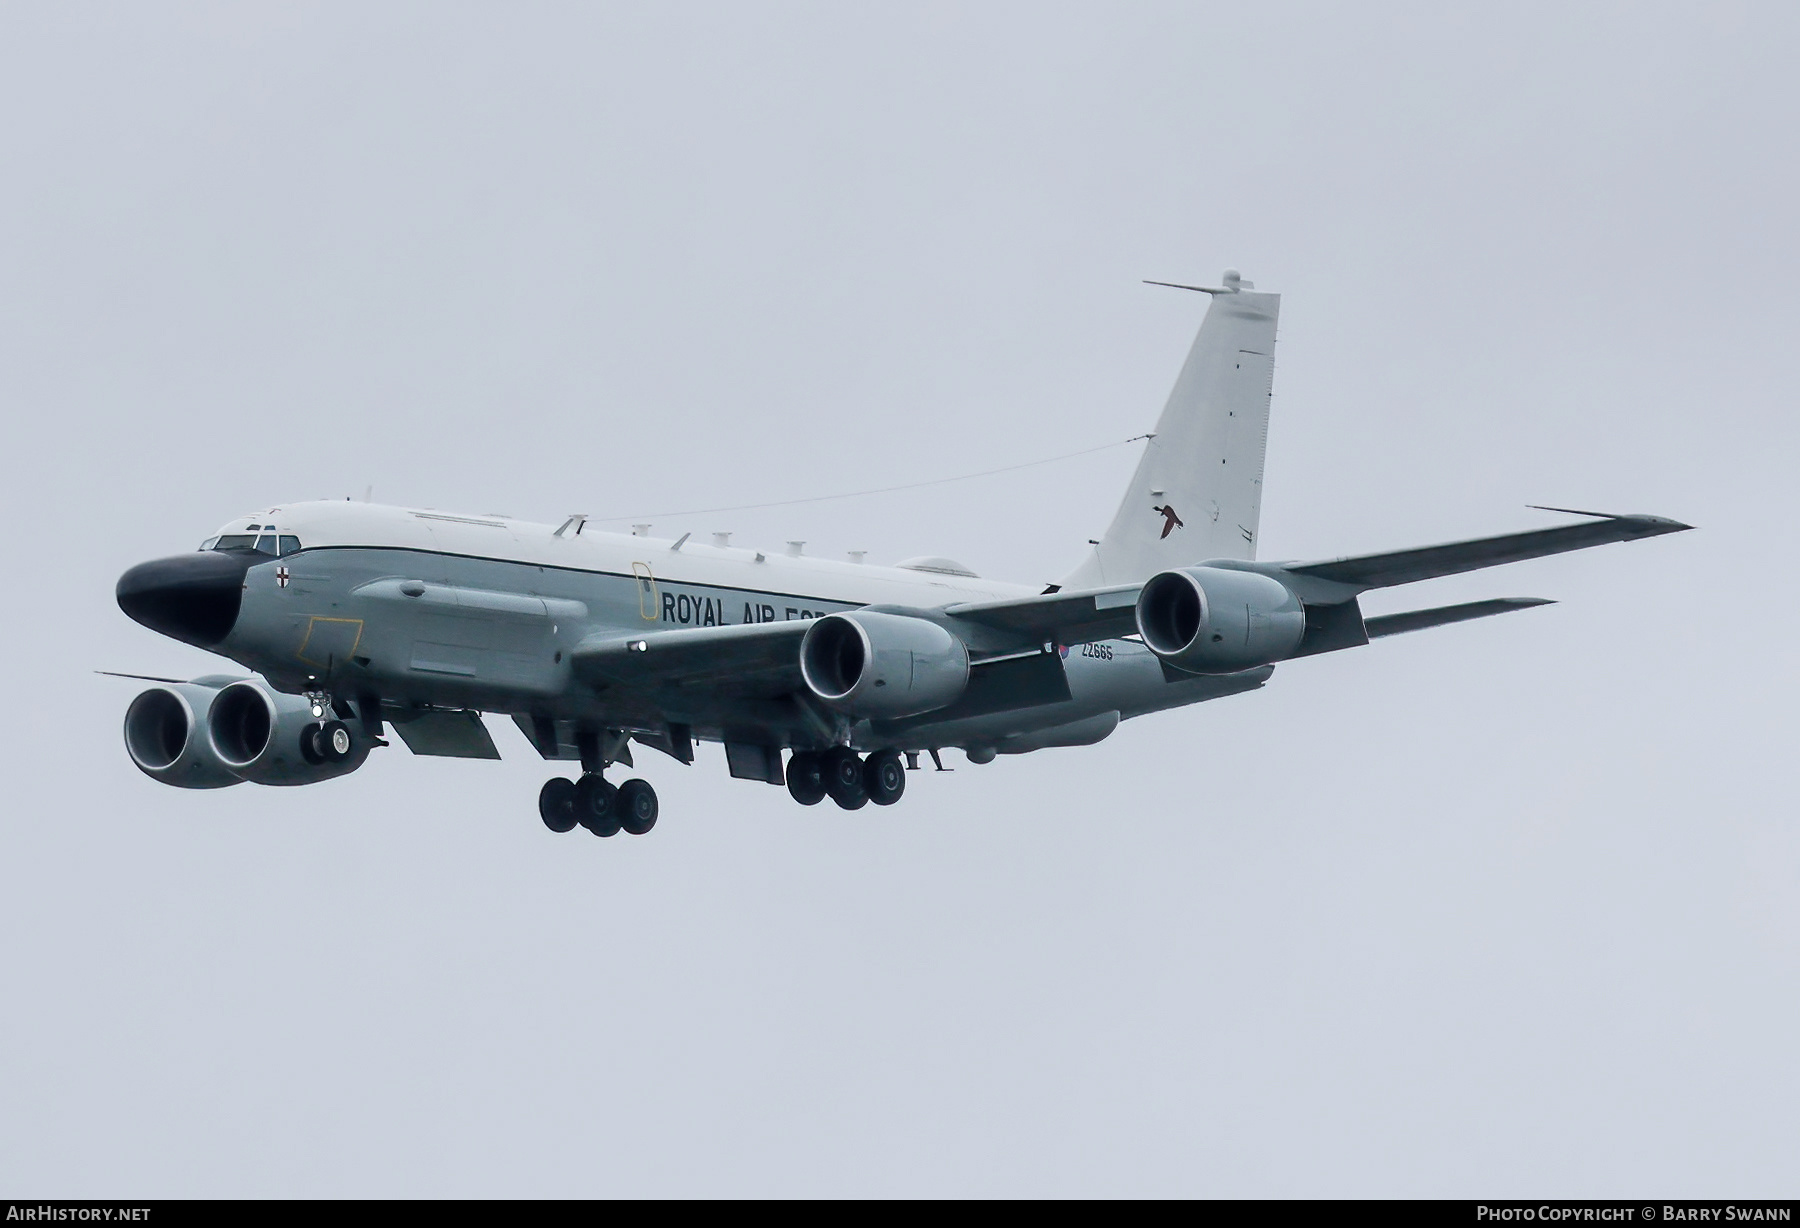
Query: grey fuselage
(426, 610)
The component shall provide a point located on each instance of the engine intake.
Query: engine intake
(163, 736)
(1213, 620)
(883, 666)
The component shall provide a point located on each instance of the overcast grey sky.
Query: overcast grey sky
(1509, 908)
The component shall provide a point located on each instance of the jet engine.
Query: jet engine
(265, 736)
(883, 666)
(165, 735)
(1212, 620)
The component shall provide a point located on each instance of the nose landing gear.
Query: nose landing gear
(326, 742)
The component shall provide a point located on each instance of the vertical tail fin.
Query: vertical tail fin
(1197, 492)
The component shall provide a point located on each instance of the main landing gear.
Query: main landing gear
(598, 805)
(845, 777)
(326, 742)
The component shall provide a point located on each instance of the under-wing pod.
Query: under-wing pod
(265, 736)
(1084, 732)
(165, 735)
(1215, 620)
(883, 665)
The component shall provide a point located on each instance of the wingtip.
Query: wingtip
(1654, 526)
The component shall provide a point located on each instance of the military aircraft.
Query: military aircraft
(356, 617)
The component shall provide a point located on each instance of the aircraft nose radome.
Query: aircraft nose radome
(190, 597)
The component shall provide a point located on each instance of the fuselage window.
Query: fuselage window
(290, 544)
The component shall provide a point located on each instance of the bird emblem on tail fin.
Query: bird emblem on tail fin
(1171, 521)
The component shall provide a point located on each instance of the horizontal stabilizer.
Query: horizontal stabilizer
(1428, 562)
(1418, 620)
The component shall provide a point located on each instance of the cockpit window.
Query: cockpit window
(262, 543)
(259, 543)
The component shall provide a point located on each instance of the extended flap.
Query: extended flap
(453, 735)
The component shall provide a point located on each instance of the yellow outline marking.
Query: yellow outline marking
(314, 621)
(646, 590)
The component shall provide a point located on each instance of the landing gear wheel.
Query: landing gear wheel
(806, 777)
(596, 805)
(844, 778)
(332, 742)
(884, 777)
(556, 804)
(309, 749)
(636, 807)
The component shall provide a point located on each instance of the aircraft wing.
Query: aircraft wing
(764, 658)
(766, 655)
(1428, 562)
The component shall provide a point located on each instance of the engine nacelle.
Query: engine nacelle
(1213, 620)
(883, 665)
(265, 736)
(165, 735)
